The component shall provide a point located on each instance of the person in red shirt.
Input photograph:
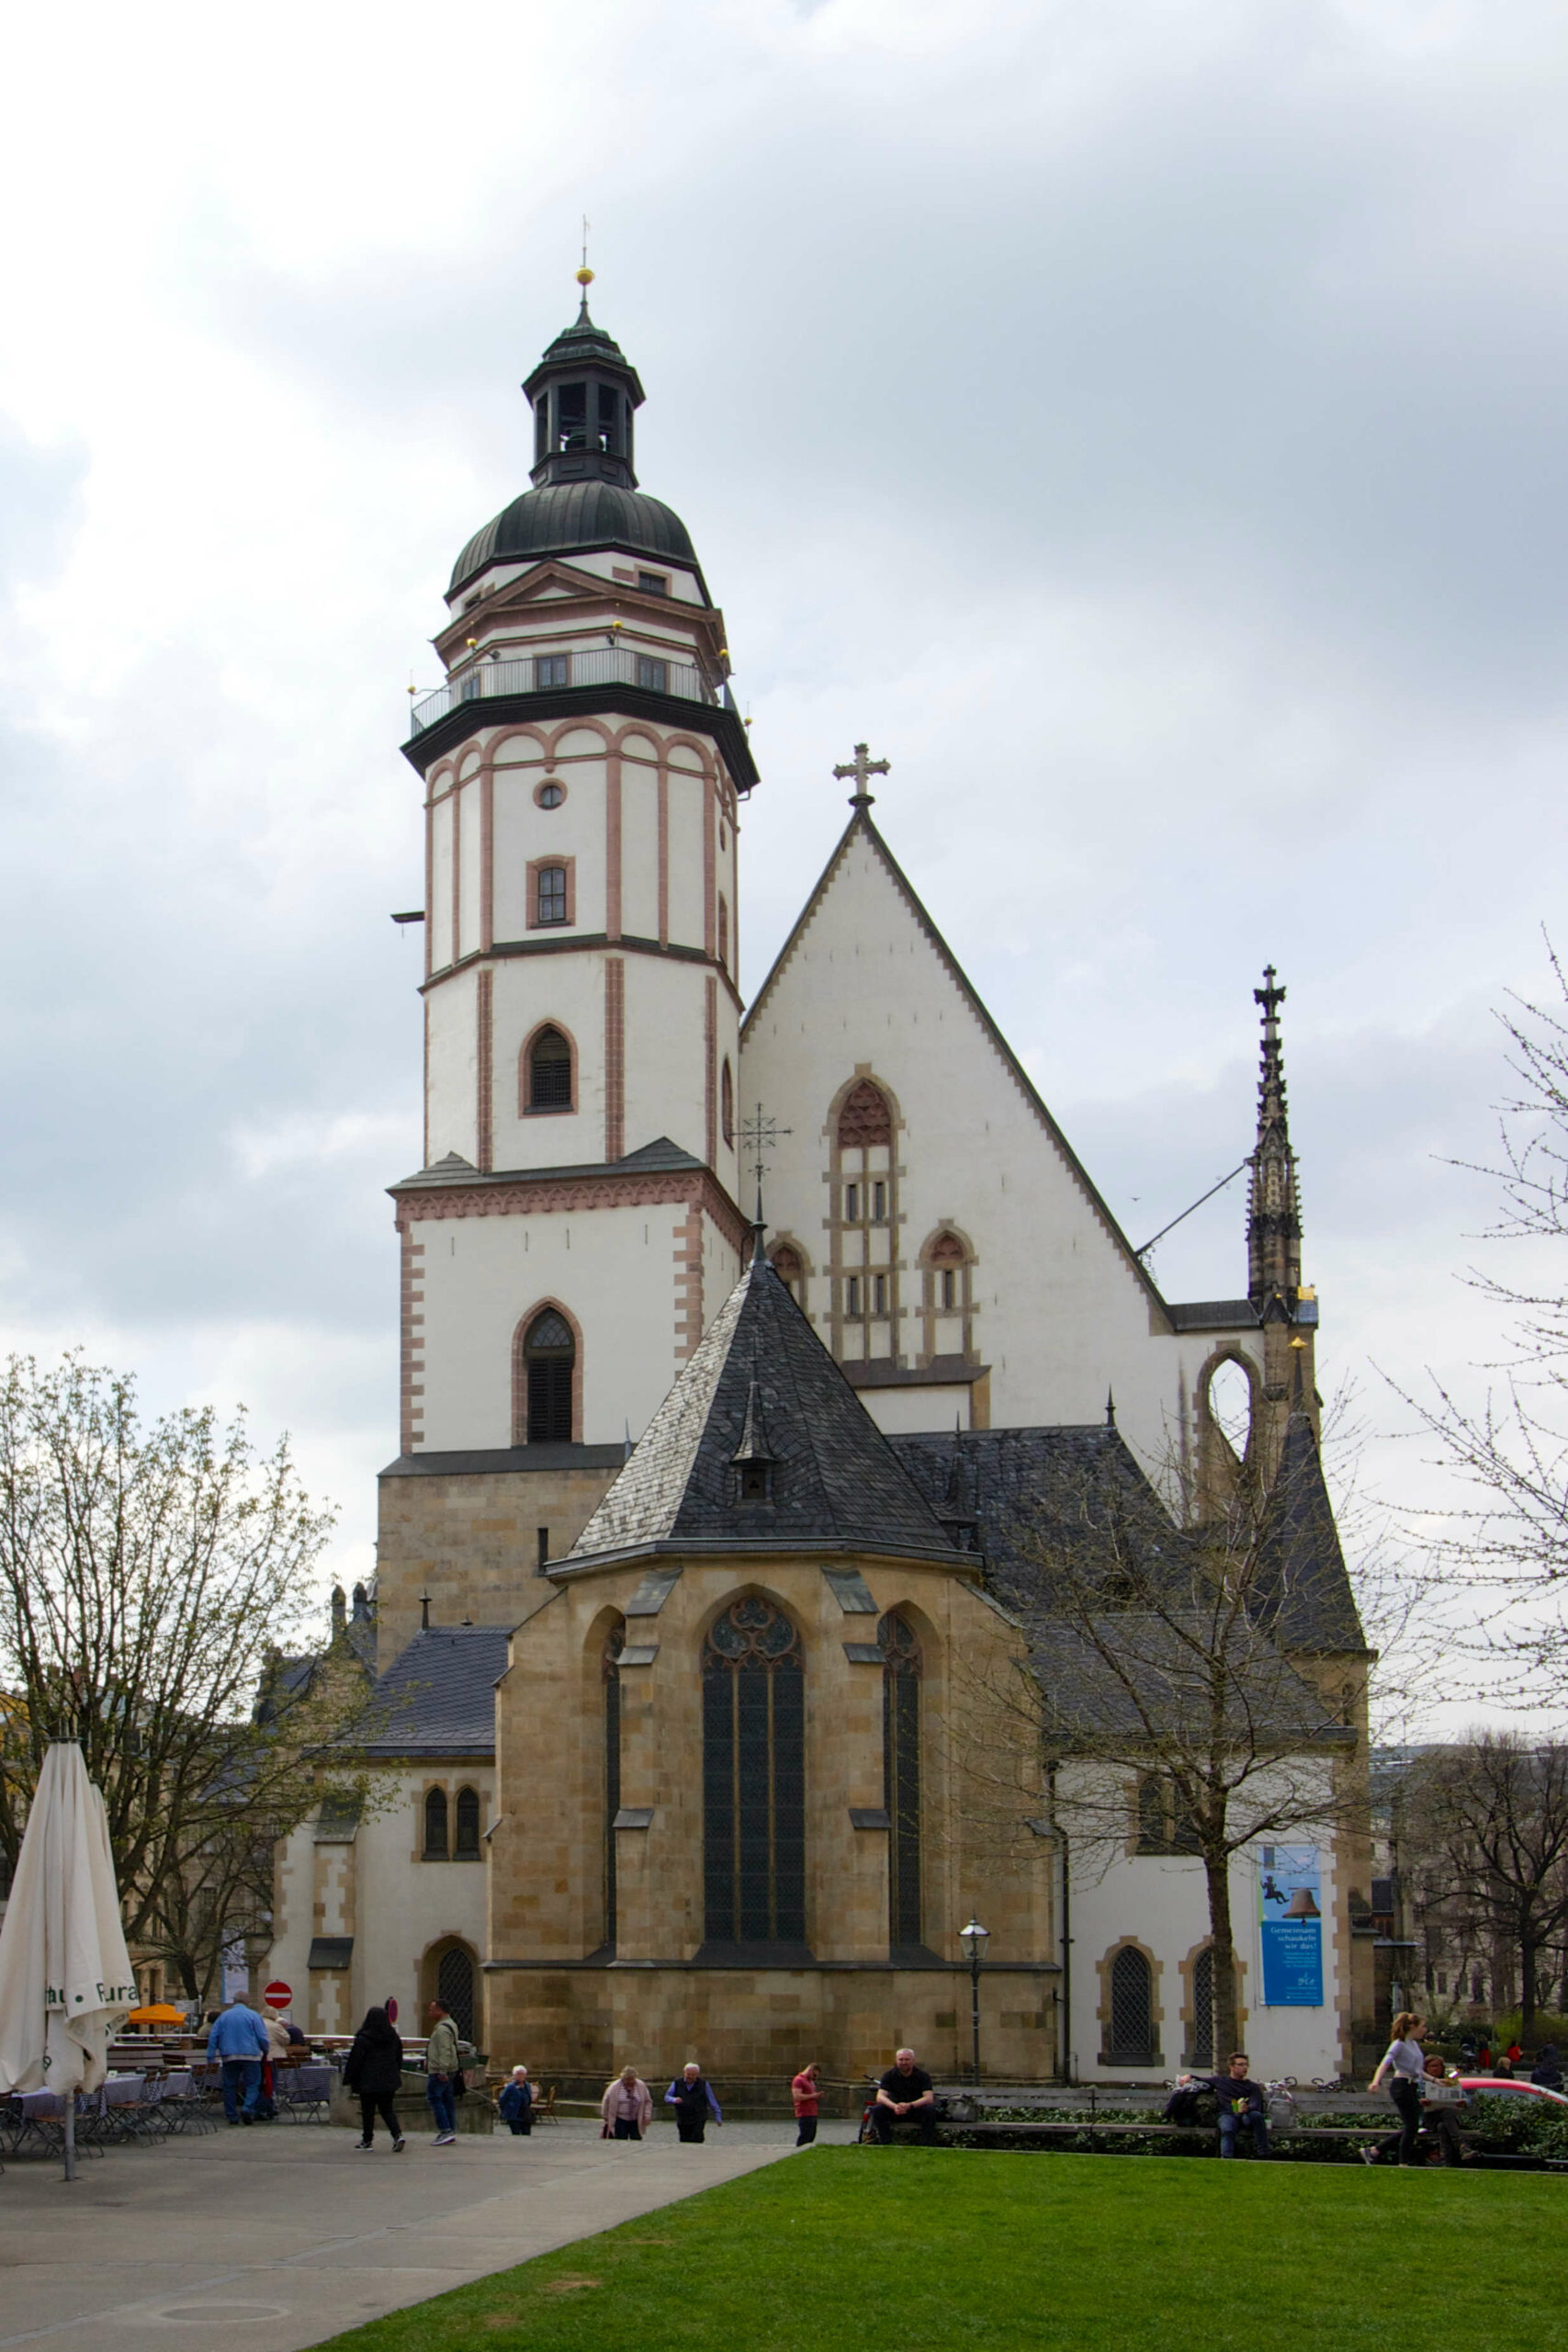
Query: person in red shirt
(804, 2092)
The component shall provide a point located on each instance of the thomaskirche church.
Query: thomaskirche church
(703, 1540)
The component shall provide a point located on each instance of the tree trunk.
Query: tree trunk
(1528, 1947)
(1217, 1870)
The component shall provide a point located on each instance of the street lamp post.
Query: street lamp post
(974, 1939)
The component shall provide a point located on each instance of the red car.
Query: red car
(1488, 2087)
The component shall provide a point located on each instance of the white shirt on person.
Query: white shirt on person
(1408, 2061)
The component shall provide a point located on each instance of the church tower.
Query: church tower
(574, 1223)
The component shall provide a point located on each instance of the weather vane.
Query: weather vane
(863, 767)
(759, 1134)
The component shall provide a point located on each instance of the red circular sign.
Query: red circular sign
(278, 1995)
(392, 2007)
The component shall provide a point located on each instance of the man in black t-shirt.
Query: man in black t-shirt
(904, 2095)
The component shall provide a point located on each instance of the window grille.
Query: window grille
(754, 1777)
(436, 1845)
(1132, 2008)
(901, 1775)
(468, 1845)
(551, 670)
(652, 675)
(653, 584)
(549, 1355)
(454, 1988)
(549, 1072)
(1203, 2008)
(611, 1671)
(552, 894)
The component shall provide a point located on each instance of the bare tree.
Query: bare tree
(1484, 1831)
(1194, 1692)
(145, 1574)
(1513, 1450)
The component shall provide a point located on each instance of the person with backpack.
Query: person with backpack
(374, 2068)
(442, 2075)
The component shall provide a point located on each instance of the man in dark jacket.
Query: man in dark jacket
(1241, 2101)
(693, 2102)
(904, 2095)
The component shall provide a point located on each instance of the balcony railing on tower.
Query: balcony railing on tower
(534, 674)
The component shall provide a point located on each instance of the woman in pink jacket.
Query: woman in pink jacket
(626, 2107)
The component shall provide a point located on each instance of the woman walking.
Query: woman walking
(374, 2068)
(1403, 2062)
(516, 2103)
(626, 2107)
(807, 2096)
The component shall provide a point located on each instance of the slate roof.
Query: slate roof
(437, 1698)
(1304, 1591)
(761, 1374)
(659, 1158)
(1166, 1659)
(564, 517)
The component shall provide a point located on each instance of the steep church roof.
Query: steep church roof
(763, 1396)
(437, 1698)
(1304, 1591)
(861, 828)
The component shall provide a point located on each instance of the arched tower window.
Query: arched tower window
(726, 1105)
(864, 1311)
(1131, 2036)
(435, 1842)
(548, 1364)
(901, 1775)
(610, 1674)
(550, 1071)
(466, 1849)
(753, 1778)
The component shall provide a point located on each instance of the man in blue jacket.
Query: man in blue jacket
(238, 2039)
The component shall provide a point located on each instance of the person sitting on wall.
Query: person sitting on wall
(904, 2095)
(1442, 2104)
(691, 2096)
(516, 2103)
(1241, 2101)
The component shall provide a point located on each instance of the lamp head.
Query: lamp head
(973, 1939)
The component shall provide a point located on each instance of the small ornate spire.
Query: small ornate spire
(1273, 1204)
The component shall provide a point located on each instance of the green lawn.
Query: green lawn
(908, 2248)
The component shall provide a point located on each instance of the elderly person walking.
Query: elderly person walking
(238, 2040)
(693, 2102)
(516, 2103)
(626, 2107)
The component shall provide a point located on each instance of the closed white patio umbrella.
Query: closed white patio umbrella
(65, 1975)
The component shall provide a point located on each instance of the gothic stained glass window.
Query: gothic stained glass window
(435, 1847)
(550, 1071)
(1132, 2008)
(466, 1849)
(549, 1357)
(754, 1777)
(610, 1671)
(901, 1775)
(1202, 2050)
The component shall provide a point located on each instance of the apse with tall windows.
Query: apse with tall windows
(544, 1380)
(900, 1649)
(754, 1780)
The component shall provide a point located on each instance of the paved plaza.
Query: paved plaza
(281, 2237)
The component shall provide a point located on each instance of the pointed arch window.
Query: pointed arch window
(610, 1676)
(550, 1071)
(467, 1848)
(726, 1105)
(865, 1120)
(753, 1778)
(454, 1988)
(549, 1366)
(436, 1840)
(901, 1776)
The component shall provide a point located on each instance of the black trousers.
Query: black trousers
(883, 2120)
(1406, 2098)
(691, 2127)
(374, 2103)
(626, 2129)
(522, 2131)
(807, 2132)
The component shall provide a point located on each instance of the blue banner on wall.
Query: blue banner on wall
(1290, 1916)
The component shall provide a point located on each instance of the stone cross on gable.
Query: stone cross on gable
(863, 767)
(759, 1134)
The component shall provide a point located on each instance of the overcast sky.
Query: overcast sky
(1143, 422)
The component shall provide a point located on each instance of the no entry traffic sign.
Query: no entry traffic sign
(278, 1995)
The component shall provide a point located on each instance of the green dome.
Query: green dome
(564, 518)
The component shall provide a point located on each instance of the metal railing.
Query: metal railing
(534, 674)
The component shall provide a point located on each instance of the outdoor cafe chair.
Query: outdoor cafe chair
(303, 2092)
